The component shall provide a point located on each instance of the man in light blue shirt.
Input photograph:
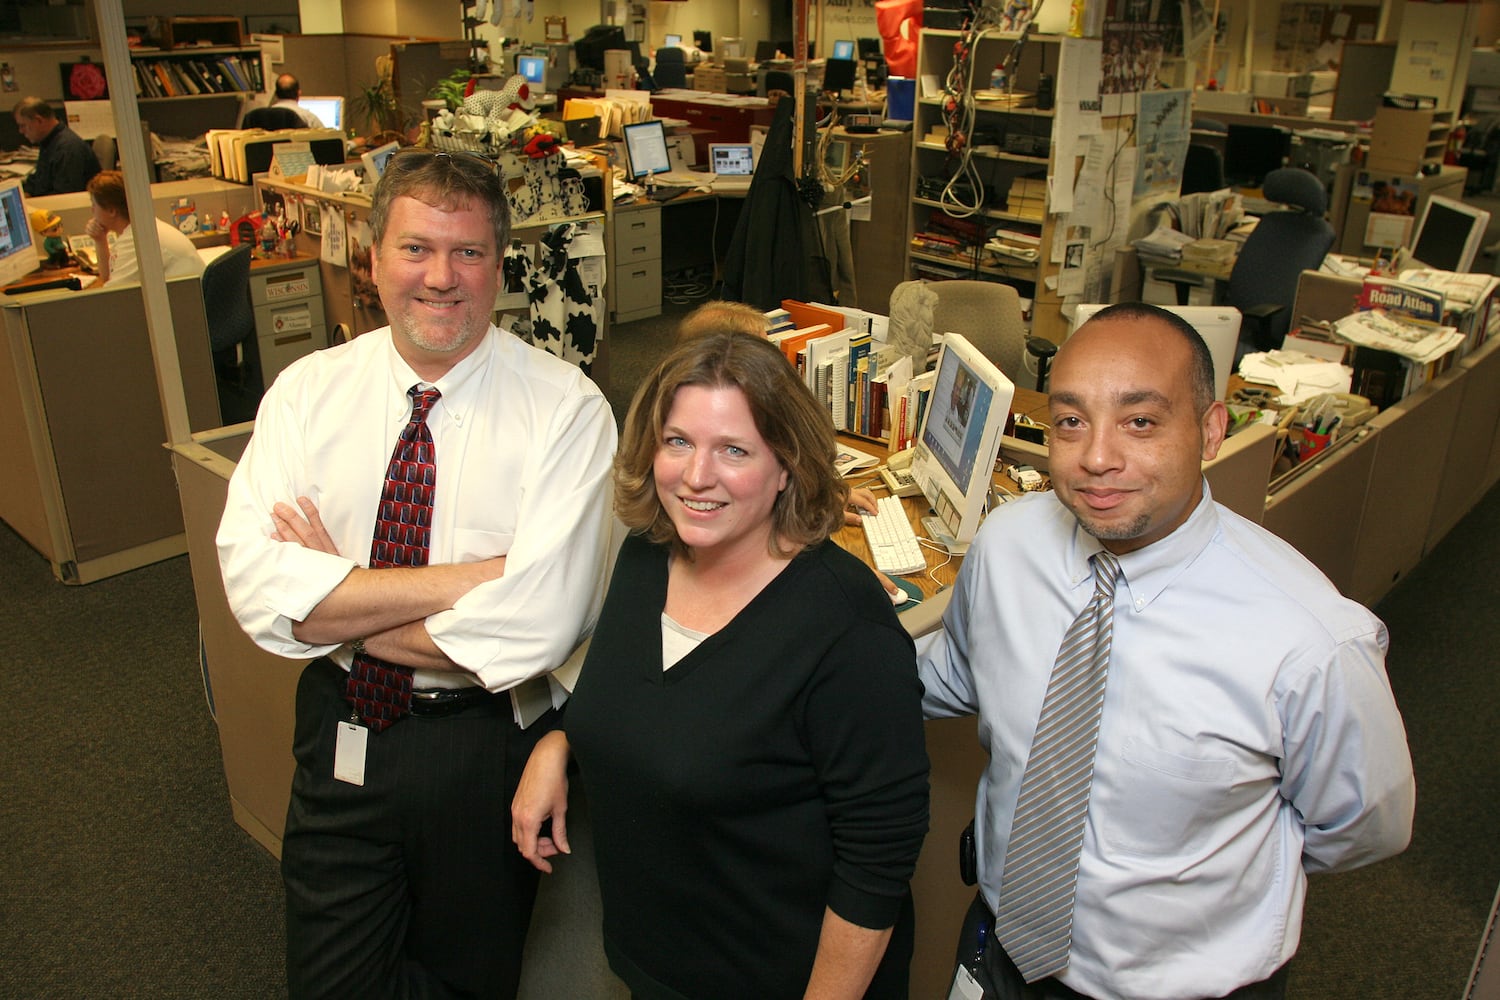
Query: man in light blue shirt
(1248, 732)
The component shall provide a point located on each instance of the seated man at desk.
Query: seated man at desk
(64, 161)
(117, 257)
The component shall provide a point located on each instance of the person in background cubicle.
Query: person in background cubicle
(64, 162)
(747, 721)
(114, 240)
(288, 89)
(435, 591)
(1205, 717)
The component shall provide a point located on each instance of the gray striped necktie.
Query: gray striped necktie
(1034, 919)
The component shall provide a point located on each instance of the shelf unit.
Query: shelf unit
(1011, 145)
(197, 72)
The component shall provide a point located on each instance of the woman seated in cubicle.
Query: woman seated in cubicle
(114, 239)
(748, 719)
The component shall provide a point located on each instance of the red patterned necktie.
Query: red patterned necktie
(379, 691)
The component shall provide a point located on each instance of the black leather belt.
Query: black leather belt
(437, 702)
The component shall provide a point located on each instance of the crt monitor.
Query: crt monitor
(843, 49)
(330, 110)
(731, 48)
(1448, 235)
(533, 68)
(1252, 151)
(703, 41)
(954, 457)
(838, 75)
(646, 149)
(673, 41)
(589, 50)
(1219, 326)
(18, 252)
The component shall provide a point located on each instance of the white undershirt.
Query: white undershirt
(677, 641)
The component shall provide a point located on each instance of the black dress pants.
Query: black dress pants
(408, 886)
(1002, 980)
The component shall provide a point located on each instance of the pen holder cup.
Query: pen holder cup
(1309, 443)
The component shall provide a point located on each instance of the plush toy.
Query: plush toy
(54, 244)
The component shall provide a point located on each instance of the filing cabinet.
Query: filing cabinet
(635, 262)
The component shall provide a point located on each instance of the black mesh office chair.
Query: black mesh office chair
(671, 67)
(1283, 244)
(231, 333)
(272, 119)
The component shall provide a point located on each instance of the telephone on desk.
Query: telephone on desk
(896, 474)
(87, 262)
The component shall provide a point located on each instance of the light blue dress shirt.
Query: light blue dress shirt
(1249, 735)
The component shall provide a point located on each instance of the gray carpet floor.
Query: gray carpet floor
(125, 875)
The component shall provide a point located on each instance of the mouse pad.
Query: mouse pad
(913, 593)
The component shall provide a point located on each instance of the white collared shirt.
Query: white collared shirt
(524, 443)
(1249, 734)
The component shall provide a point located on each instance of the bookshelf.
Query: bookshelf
(197, 72)
(1011, 142)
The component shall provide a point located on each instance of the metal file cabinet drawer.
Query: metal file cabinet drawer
(275, 285)
(637, 290)
(288, 315)
(637, 236)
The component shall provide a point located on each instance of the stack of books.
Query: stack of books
(1209, 256)
(1014, 245)
(1027, 198)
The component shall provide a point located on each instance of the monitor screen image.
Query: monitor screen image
(1219, 326)
(330, 110)
(1448, 235)
(673, 41)
(954, 458)
(533, 68)
(838, 74)
(18, 253)
(704, 40)
(843, 50)
(646, 149)
(731, 159)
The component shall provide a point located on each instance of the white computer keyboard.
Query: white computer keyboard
(891, 540)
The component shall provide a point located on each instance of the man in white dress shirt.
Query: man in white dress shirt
(401, 879)
(1248, 733)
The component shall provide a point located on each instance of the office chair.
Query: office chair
(231, 328)
(272, 119)
(106, 151)
(1203, 170)
(985, 313)
(1283, 244)
(671, 68)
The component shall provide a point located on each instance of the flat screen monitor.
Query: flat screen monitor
(731, 159)
(954, 457)
(1448, 234)
(869, 48)
(646, 149)
(330, 110)
(838, 75)
(1252, 151)
(18, 252)
(765, 51)
(375, 161)
(533, 68)
(1219, 326)
(843, 49)
(704, 40)
(673, 41)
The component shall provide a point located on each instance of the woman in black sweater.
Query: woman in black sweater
(748, 720)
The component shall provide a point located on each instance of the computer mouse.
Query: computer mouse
(899, 597)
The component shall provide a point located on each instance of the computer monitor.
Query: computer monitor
(843, 49)
(869, 48)
(330, 110)
(765, 51)
(18, 253)
(589, 50)
(376, 159)
(673, 42)
(1252, 151)
(533, 68)
(646, 149)
(704, 41)
(731, 48)
(1448, 234)
(954, 457)
(731, 159)
(838, 75)
(1219, 326)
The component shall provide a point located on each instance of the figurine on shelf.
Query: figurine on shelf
(54, 244)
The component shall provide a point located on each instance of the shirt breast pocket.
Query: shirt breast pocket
(1167, 802)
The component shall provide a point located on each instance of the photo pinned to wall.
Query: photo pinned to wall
(335, 246)
(368, 312)
(312, 216)
(84, 81)
(1133, 53)
(1070, 279)
(1164, 132)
